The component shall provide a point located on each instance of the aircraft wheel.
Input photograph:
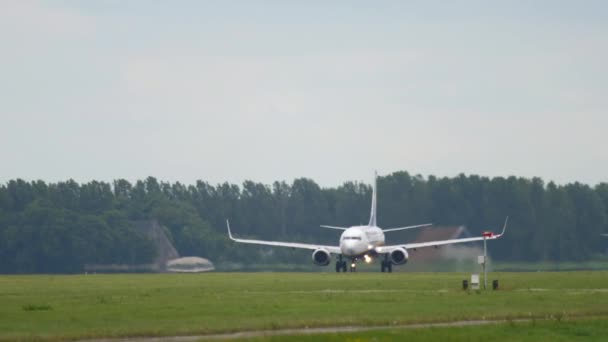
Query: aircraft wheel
(383, 266)
(389, 267)
(343, 266)
(338, 266)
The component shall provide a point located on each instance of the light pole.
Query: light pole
(485, 259)
(486, 235)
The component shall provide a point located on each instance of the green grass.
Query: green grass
(578, 330)
(599, 264)
(69, 307)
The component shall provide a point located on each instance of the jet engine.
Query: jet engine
(321, 257)
(399, 256)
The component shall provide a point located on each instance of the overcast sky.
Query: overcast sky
(330, 90)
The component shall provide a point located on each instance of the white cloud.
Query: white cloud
(28, 19)
(176, 95)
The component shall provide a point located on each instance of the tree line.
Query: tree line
(60, 227)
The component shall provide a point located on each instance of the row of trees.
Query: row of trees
(59, 227)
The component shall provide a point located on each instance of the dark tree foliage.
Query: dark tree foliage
(60, 227)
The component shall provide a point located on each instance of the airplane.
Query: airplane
(366, 242)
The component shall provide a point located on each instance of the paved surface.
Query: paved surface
(260, 333)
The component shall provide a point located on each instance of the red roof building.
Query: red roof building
(459, 252)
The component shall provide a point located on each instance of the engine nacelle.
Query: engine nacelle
(321, 257)
(399, 256)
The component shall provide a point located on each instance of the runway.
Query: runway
(304, 331)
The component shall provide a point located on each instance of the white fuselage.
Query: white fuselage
(359, 240)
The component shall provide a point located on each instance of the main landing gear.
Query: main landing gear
(340, 265)
(387, 265)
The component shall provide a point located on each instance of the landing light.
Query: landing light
(367, 258)
(353, 265)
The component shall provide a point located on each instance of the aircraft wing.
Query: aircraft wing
(487, 236)
(330, 249)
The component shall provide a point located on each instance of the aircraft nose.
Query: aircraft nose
(349, 247)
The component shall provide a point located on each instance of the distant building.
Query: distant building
(189, 265)
(167, 258)
(158, 234)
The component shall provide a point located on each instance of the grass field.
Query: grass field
(70, 307)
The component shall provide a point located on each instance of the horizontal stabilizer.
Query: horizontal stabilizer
(334, 227)
(408, 227)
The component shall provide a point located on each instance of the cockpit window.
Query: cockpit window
(352, 238)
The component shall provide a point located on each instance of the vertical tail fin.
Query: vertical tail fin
(372, 216)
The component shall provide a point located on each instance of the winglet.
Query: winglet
(229, 233)
(504, 228)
